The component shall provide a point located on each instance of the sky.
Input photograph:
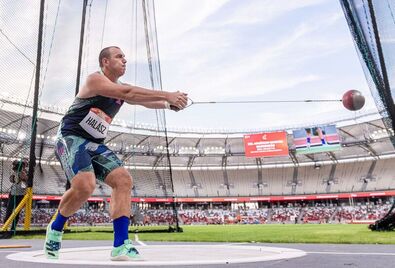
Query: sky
(259, 50)
(214, 50)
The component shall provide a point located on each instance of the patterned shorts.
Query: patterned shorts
(78, 154)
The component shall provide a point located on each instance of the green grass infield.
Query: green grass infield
(270, 233)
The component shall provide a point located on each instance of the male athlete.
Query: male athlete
(84, 157)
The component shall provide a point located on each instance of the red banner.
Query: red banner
(54, 198)
(266, 144)
(231, 199)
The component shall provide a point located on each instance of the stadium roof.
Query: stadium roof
(145, 147)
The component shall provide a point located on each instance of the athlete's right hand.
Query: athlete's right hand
(178, 99)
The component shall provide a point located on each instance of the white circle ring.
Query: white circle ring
(166, 255)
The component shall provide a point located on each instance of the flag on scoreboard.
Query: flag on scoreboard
(266, 144)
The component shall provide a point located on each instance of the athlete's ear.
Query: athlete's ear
(105, 61)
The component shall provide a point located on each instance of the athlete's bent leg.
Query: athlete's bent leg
(82, 186)
(121, 183)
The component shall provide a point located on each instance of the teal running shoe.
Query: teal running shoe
(53, 240)
(125, 252)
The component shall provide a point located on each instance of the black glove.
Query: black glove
(174, 108)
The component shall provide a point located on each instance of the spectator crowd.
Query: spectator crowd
(292, 213)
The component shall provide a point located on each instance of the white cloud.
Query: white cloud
(205, 73)
(258, 11)
(180, 16)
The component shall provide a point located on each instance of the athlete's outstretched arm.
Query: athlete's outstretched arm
(157, 105)
(98, 84)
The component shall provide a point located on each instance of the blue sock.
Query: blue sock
(121, 230)
(59, 222)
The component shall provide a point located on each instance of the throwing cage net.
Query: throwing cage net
(48, 49)
(372, 25)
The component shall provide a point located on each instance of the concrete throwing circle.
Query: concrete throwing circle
(166, 255)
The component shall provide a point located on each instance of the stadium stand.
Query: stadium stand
(209, 165)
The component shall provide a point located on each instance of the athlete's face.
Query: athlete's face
(117, 62)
